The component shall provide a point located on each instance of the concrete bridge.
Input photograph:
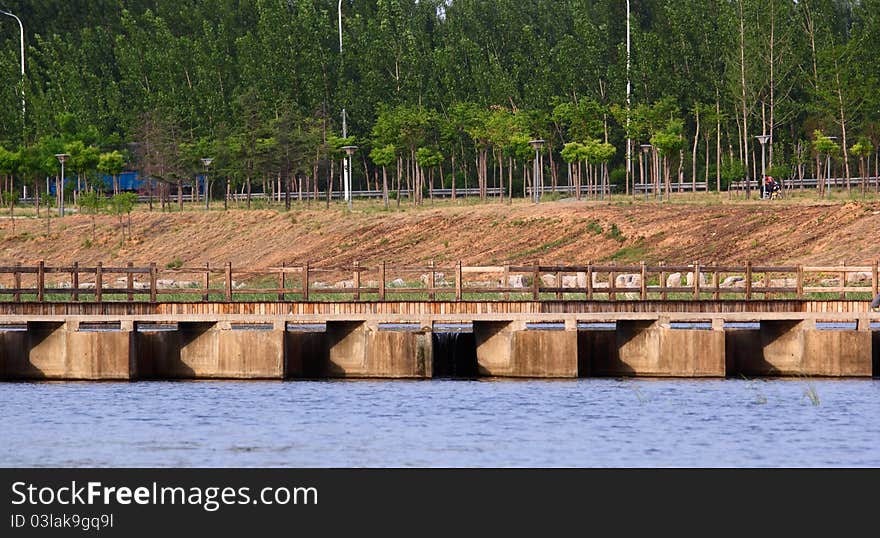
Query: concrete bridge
(424, 339)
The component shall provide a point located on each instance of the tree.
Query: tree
(122, 204)
(384, 157)
(49, 201)
(862, 149)
(92, 202)
(112, 164)
(9, 199)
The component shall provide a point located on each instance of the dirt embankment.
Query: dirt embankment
(563, 232)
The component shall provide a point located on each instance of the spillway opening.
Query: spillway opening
(100, 327)
(156, 327)
(455, 351)
(307, 327)
(691, 325)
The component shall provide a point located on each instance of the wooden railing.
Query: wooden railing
(383, 282)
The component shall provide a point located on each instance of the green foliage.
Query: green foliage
(823, 145)
(862, 148)
(111, 163)
(91, 202)
(731, 170)
(383, 156)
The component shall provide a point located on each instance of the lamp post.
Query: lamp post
(207, 162)
(21, 27)
(645, 149)
(629, 144)
(349, 151)
(61, 158)
(344, 133)
(536, 183)
(763, 140)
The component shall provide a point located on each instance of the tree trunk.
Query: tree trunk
(694, 153)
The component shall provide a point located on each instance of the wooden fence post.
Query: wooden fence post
(41, 280)
(505, 282)
(644, 281)
(431, 280)
(382, 281)
(99, 282)
(749, 280)
(663, 293)
(74, 281)
(207, 295)
(356, 267)
(153, 291)
(766, 284)
(800, 281)
(590, 280)
(611, 281)
(842, 294)
(458, 283)
(558, 284)
(228, 281)
(281, 282)
(129, 281)
(16, 279)
(875, 284)
(536, 282)
(715, 283)
(305, 282)
(696, 280)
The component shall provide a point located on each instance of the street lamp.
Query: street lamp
(629, 147)
(349, 151)
(344, 133)
(61, 158)
(21, 27)
(763, 140)
(645, 149)
(537, 145)
(207, 162)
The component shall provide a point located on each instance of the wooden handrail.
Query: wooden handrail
(569, 282)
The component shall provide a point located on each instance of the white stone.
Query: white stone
(628, 280)
(673, 280)
(733, 282)
(516, 281)
(689, 279)
(548, 281)
(858, 276)
(397, 283)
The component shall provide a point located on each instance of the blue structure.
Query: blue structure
(129, 180)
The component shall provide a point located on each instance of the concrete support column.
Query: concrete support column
(653, 348)
(218, 350)
(508, 349)
(61, 350)
(797, 347)
(361, 349)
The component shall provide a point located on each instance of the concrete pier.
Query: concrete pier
(798, 347)
(220, 350)
(653, 348)
(357, 349)
(68, 350)
(509, 349)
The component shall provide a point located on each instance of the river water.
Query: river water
(443, 423)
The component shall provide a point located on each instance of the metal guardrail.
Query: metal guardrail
(810, 182)
(303, 282)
